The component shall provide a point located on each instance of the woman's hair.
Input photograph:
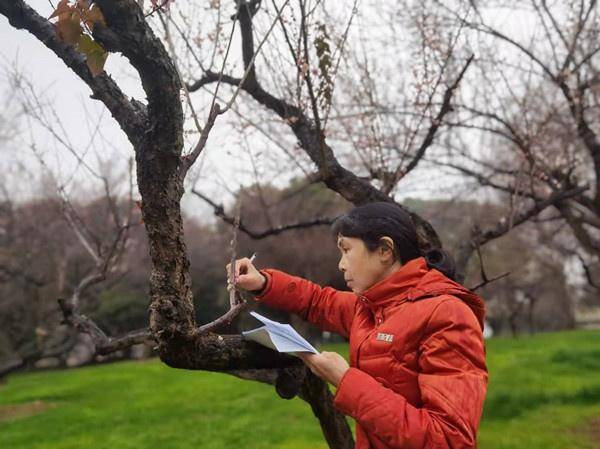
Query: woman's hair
(372, 221)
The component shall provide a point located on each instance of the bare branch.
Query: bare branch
(489, 281)
(257, 235)
(233, 299)
(437, 121)
(189, 159)
(480, 238)
(103, 344)
(227, 318)
(312, 140)
(484, 277)
(588, 273)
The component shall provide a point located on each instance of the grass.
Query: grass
(544, 393)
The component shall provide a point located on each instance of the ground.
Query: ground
(544, 393)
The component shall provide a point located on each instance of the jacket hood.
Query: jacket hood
(416, 281)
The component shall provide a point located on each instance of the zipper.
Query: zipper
(365, 301)
(358, 349)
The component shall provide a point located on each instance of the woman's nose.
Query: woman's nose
(341, 266)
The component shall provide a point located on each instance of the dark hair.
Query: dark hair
(372, 221)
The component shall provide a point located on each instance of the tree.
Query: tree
(85, 31)
(535, 115)
(530, 291)
(52, 249)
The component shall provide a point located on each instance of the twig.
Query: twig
(437, 121)
(158, 7)
(227, 318)
(233, 294)
(189, 159)
(220, 212)
(488, 281)
(485, 279)
(236, 302)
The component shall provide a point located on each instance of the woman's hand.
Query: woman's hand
(246, 276)
(329, 366)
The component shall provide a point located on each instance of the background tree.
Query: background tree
(528, 129)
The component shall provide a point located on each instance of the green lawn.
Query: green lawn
(544, 393)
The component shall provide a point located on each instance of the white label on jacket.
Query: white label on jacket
(385, 337)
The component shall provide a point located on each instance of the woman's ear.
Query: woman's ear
(386, 250)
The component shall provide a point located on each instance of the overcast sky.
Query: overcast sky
(89, 128)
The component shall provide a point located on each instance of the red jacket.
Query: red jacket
(417, 376)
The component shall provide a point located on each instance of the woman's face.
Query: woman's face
(361, 267)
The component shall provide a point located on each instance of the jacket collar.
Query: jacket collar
(395, 286)
(415, 281)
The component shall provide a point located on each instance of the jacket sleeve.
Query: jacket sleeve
(327, 308)
(452, 379)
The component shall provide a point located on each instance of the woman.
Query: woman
(417, 375)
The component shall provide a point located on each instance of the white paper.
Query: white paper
(277, 336)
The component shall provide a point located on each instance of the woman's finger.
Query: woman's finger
(241, 266)
(307, 358)
(241, 278)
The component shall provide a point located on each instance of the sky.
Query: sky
(85, 142)
(82, 123)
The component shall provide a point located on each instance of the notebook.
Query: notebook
(277, 336)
